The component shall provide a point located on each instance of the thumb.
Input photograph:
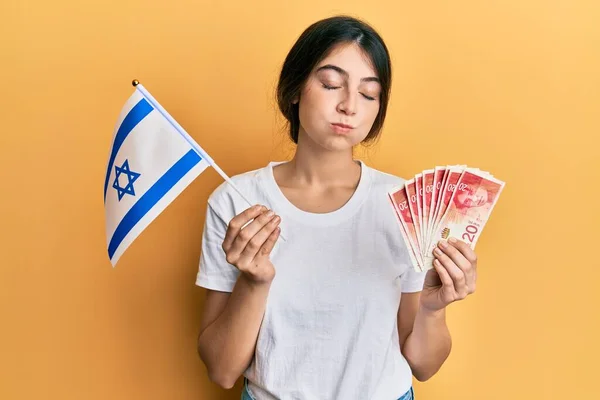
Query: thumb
(432, 278)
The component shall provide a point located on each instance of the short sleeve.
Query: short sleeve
(214, 271)
(412, 281)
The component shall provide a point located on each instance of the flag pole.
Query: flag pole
(187, 137)
(136, 84)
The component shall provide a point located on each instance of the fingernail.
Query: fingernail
(452, 240)
(270, 214)
(443, 244)
(437, 252)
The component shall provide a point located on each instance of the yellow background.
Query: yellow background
(511, 87)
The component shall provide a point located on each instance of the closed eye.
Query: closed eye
(329, 87)
(368, 97)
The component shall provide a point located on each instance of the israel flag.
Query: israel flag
(151, 161)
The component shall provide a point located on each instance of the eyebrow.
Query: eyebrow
(342, 72)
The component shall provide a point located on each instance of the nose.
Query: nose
(347, 105)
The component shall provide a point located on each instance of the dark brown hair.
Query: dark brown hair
(313, 45)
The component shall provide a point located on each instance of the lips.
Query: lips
(344, 126)
(341, 129)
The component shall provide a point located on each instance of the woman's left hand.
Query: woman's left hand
(453, 275)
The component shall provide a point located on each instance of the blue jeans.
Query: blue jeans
(410, 395)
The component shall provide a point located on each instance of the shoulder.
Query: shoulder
(383, 181)
(382, 184)
(227, 202)
(225, 191)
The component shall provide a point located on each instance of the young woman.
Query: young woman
(334, 311)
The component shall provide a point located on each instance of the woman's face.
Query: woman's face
(340, 99)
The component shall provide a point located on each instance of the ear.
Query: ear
(296, 99)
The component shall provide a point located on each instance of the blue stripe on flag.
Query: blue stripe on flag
(133, 117)
(151, 197)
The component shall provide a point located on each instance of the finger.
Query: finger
(464, 249)
(255, 244)
(445, 278)
(249, 232)
(455, 255)
(236, 224)
(458, 276)
(269, 244)
(470, 268)
(472, 281)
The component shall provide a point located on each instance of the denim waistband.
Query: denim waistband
(409, 395)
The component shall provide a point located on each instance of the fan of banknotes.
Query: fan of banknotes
(447, 201)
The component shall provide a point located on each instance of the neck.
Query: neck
(312, 164)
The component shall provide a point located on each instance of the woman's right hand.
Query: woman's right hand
(249, 248)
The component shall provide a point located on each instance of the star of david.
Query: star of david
(131, 177)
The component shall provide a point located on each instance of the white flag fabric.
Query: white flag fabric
(150, 163)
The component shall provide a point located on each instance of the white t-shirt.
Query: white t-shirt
(330, 326)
